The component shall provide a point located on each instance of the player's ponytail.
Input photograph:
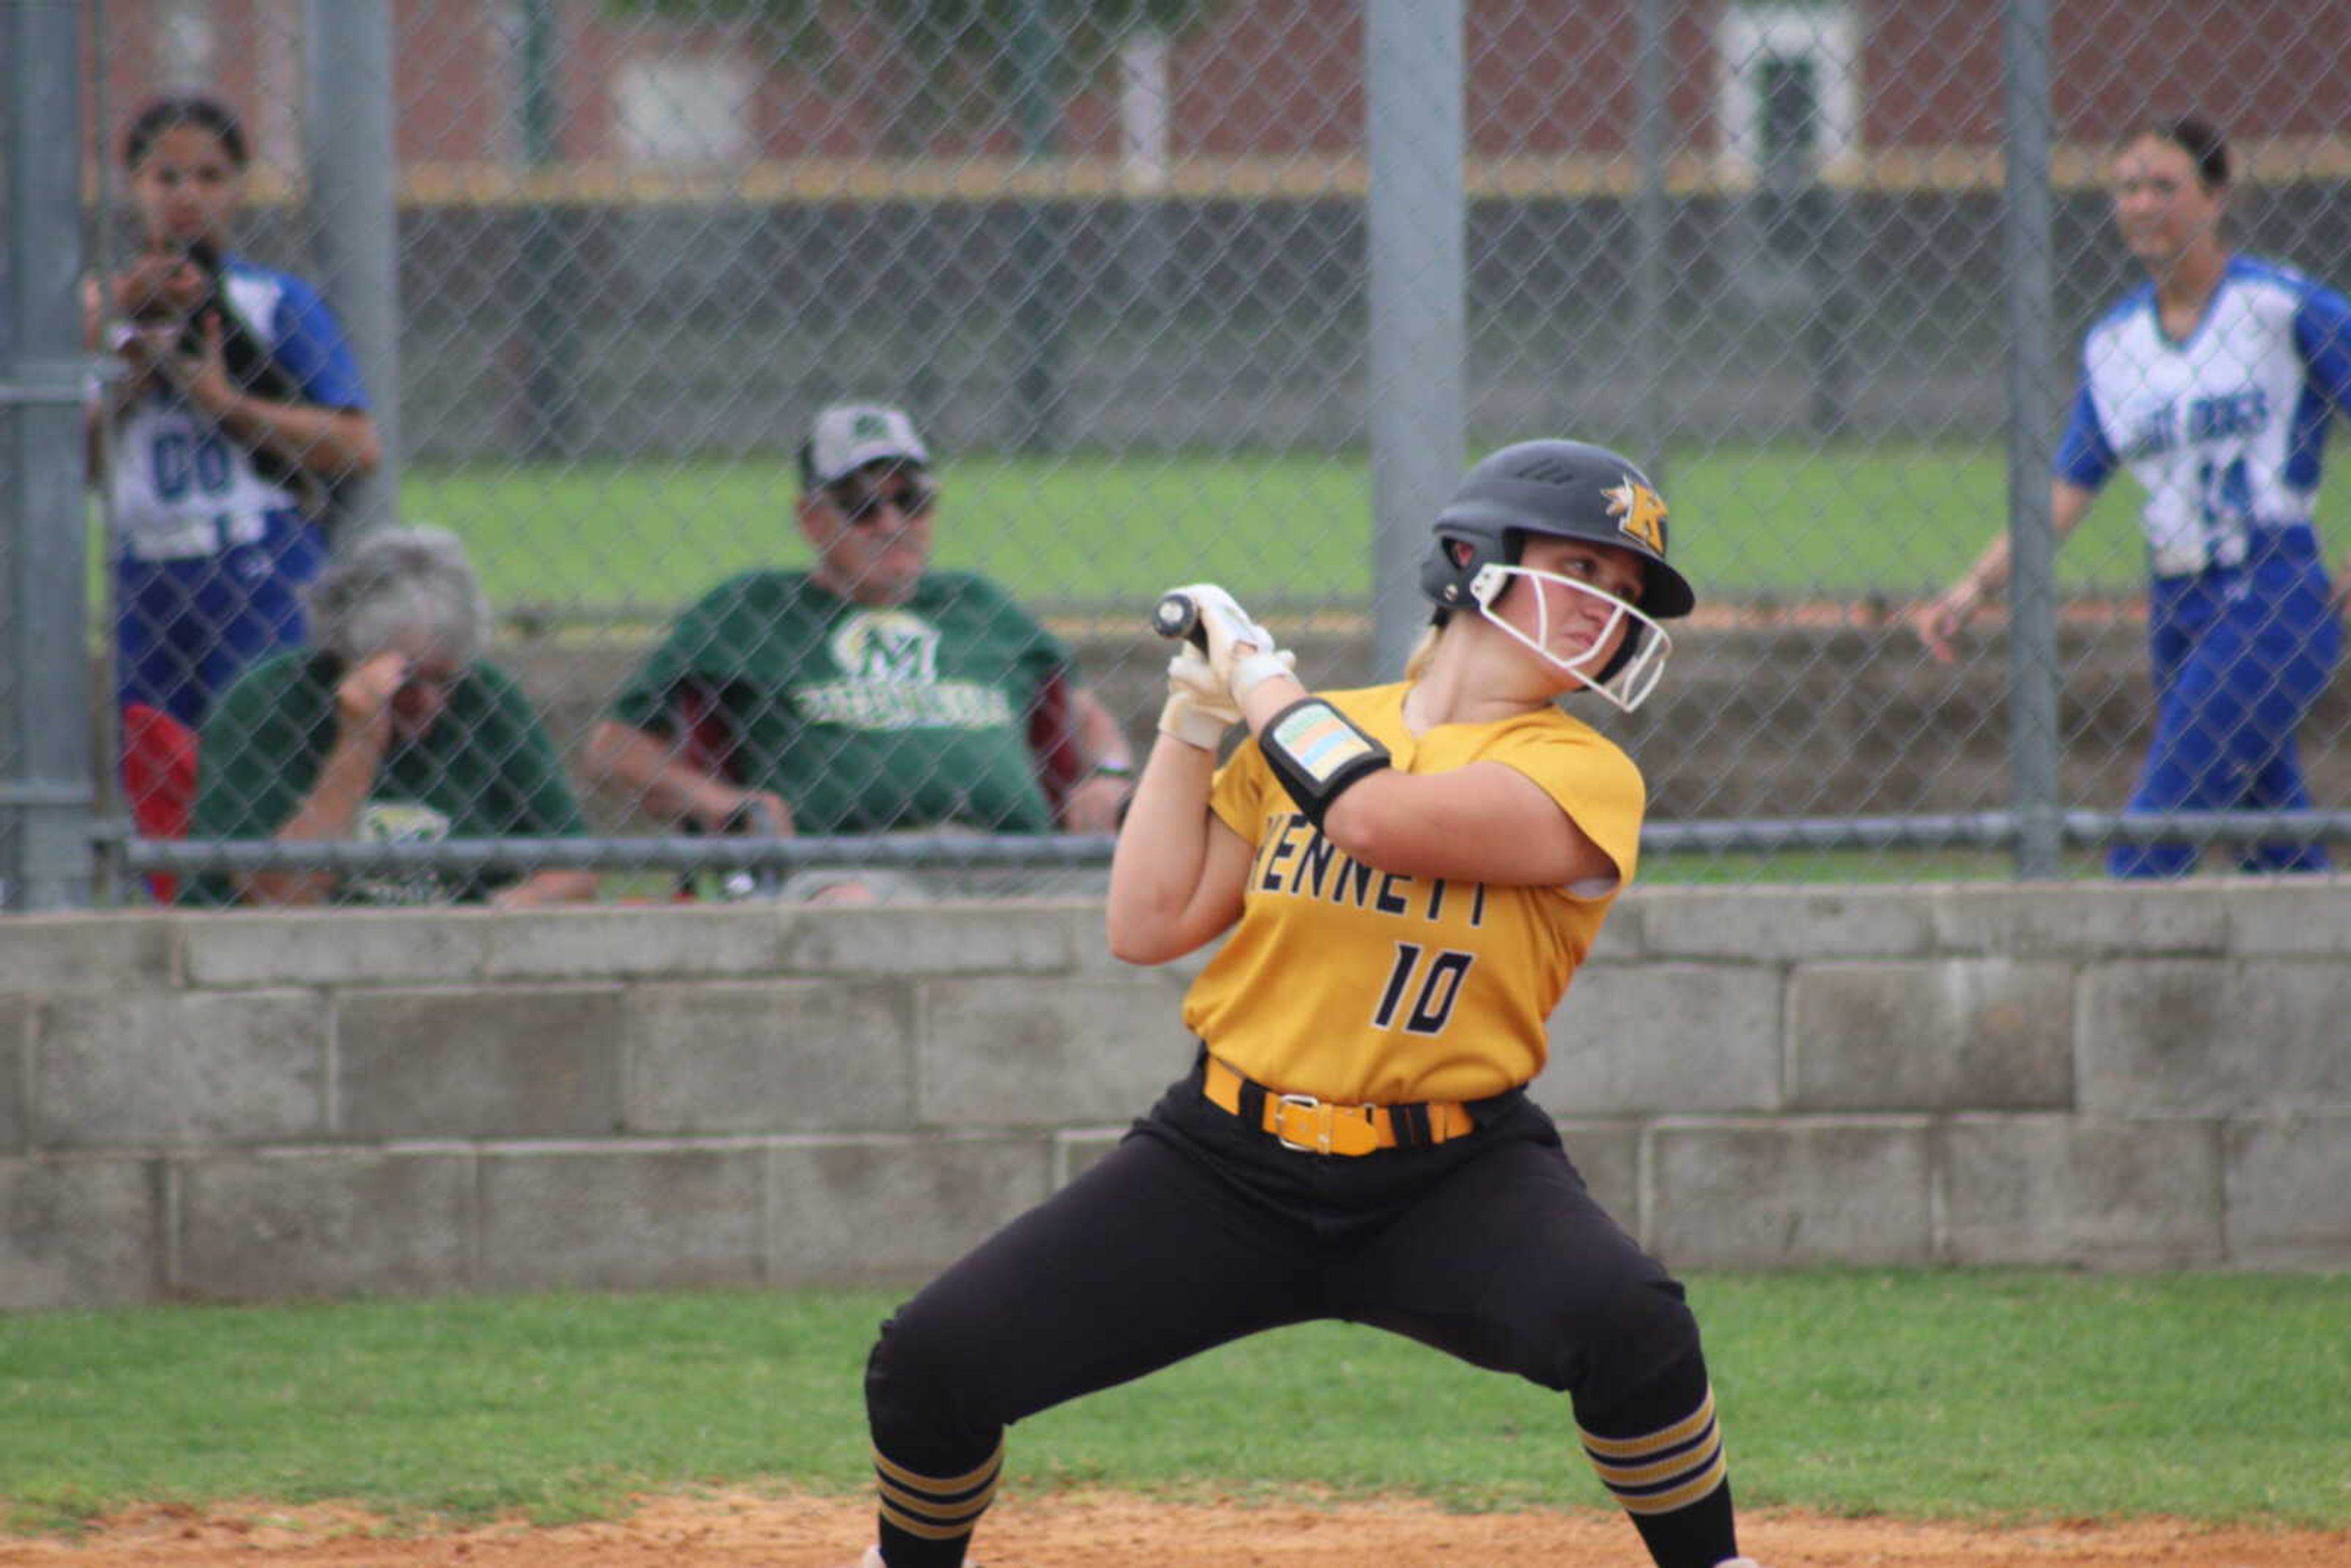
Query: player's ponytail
(1424, 652)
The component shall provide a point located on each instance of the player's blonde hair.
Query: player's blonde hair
(1424, 652)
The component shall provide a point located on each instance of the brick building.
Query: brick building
(1887, 93)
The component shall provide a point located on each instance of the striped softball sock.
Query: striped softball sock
(1660, 1471)
(927, 1521)
(1673, 1484)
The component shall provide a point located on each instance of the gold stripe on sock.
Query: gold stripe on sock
(964, 1482)
(1700, 1486)
(965, 1512)
(923, 1529)
(1654, 1443)
(1616, 1477)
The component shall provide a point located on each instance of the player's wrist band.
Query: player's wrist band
(1109, 768)
(1318, 754)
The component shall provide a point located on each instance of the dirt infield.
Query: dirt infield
(1102, 1530)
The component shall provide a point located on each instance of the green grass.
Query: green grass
(1978, 1395)
(1752, 523)
(1888, 520)
(1097, 527)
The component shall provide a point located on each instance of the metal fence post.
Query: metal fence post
(2030, 299)
(1035, 51)
(1652, 217)
(348, 155)
(551, 426)
(1419, 319)
(46, 773)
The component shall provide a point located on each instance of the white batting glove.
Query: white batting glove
(1198, 710)
(1242, 652)
(1250, 670)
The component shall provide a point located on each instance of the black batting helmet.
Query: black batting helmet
(1570, 489)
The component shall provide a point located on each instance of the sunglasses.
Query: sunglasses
(860, 501)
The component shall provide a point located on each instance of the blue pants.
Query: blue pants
(2240, 654)
(186, 629)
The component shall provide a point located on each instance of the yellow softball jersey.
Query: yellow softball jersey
(1365, 986)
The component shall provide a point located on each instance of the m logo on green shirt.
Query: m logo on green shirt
(894, 647)
(889, 664)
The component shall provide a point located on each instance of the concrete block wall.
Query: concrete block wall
(257, 1105)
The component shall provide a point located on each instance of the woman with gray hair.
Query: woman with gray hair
(394, 729)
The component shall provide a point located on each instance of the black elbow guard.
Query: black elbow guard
(1319, 754)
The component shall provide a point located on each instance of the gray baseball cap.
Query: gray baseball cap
(848, 436)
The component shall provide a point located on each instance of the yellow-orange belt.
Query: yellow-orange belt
(1317, 1126)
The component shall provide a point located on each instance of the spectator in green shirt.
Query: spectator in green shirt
(395, 728)
(869, 694)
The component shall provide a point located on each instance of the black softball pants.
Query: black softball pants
(1197, 1229)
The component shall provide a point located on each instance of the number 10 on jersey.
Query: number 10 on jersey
(1434, 987)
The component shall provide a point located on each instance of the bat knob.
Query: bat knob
(1176, 616)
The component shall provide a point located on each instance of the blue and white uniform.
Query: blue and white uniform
(210, 552)
(2226, 430)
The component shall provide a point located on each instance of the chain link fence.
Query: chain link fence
(1116, 263)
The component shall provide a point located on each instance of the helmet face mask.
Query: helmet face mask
(1627, 673)
(1561, 489)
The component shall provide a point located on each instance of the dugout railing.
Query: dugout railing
(1996, 831)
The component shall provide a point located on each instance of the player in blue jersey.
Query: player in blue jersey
(238, 410)
(2214, 384)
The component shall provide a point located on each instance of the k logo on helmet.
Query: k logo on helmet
(1640, 513)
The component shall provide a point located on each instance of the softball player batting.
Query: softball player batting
(1409, 875)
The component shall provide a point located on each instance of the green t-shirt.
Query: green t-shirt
(484, 770)
(864, 718)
